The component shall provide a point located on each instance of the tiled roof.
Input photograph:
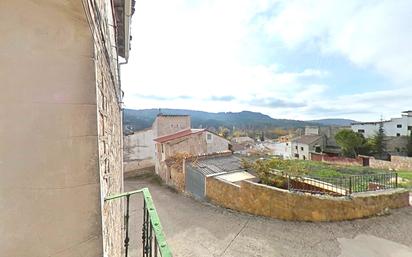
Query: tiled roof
(217, 165)
(307, 139)
(179, 134)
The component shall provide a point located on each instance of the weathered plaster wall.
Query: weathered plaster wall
(60, 130)
(271, 202)
(139, 151)
(49, 159)
(396, 163)
(215, 143)
(139, 146)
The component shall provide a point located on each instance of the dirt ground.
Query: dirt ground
(195, 228)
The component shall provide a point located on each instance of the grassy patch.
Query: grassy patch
(320, 169)
(405, 179)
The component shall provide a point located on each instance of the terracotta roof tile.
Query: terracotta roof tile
(179, 134)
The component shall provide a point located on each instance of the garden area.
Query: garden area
(338, 178)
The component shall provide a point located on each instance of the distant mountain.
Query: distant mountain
(333, 122)
(141, 119)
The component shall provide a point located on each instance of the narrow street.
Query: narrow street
(198, 229)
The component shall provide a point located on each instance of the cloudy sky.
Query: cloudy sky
(288, 59)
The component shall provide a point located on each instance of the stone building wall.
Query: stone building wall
(277, 203)
(169, 124)
(109, 122)
(397, 163)
(215, 143)
(177, 176)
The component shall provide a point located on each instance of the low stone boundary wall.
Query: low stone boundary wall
(336, 159)
(131, 166)
(396, 163)
(277, 203)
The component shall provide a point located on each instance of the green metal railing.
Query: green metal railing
(153, 238)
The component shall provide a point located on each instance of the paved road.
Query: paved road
(200, 229)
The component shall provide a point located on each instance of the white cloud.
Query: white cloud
(193, 55)
(368, 33)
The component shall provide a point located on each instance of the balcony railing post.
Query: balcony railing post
(396, 180)
(144, 227)
(126, 223)
(153, 238)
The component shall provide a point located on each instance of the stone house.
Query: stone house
(243, 140)
(139, 147)
(330, 146)
(190, 141)
(303, 145)
(61, 126)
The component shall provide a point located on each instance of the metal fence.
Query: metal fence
(345, 185)
(153, 238)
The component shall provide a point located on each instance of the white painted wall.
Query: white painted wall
(139, 146)
(280, 149)
(390, 127)
(300, 151)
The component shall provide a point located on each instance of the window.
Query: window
(296, 155)
(398, 134)
(399, 126)
(397, 149)
(287, 144)
(209, 136)
(361, 131)
(163, 148)
(409, 127)
(301, 148)
(296, 147)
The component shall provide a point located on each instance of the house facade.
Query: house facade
(139, 147)
(396, 132)
(61, 126)
(395, 127)
(303, 145)
(190, 141)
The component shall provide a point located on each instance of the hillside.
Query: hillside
(333, 122)
(141, 119)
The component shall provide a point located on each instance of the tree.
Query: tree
(349, 141)
(379, 145)
(223, 132)
(409, 145)
(262, 136)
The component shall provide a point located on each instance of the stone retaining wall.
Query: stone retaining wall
(277, 203)
(396, 163)
(129, 166)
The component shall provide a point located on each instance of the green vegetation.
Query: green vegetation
(405, 179)
(409, 145)
(265, 170)
(379, 145)
(316, 169)
(352, 143)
